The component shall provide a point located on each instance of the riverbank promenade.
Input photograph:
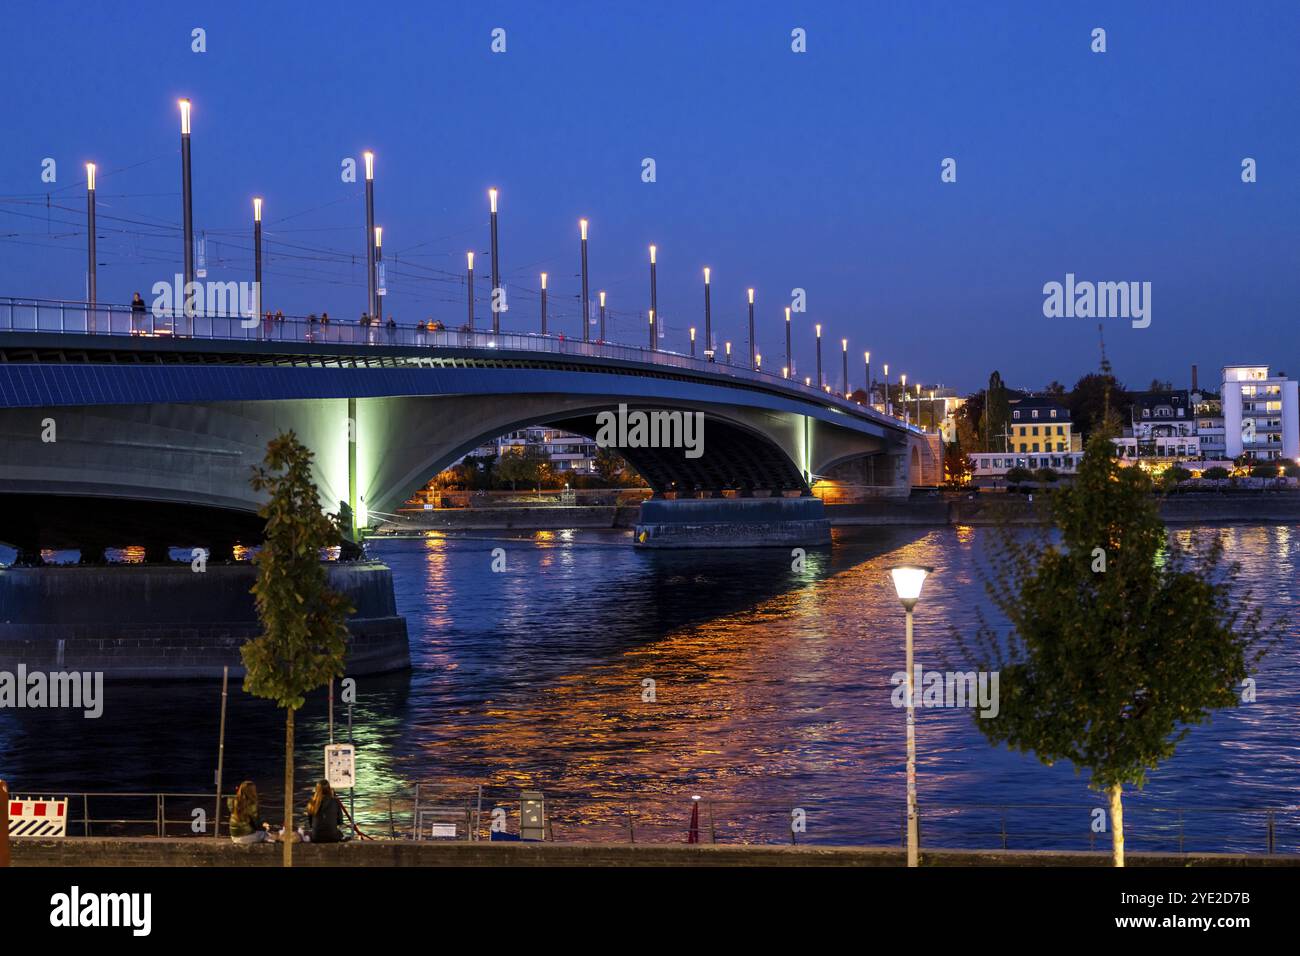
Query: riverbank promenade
(207, 852)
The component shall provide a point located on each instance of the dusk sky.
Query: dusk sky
(781, 170)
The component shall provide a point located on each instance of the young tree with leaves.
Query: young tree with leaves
(1119, 638)
(304, 623)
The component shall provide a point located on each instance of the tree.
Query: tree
(1046, 476)
(304, 623)
(957, 468)
(1089, 399)
(514, 467)
(1216, 473)
(609, 466)
(1055, 390)
(997, 413)
(1159, 386)
(1120, 639)
(1019, 475)
(970, 423)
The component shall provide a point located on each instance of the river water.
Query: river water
(623, 682)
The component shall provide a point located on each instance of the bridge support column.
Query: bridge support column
(92, 552)
(222, 549)
(155, 552)
(352, 469)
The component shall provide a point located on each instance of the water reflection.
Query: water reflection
(770, 691)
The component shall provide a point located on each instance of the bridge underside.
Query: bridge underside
(157, 450)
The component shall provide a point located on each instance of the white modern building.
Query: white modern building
(1261, 414)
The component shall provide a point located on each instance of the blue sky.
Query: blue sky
(779, 170)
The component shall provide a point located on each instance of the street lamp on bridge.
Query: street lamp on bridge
(257, 260)
(819, 355)
(753, 349)
(844, 346)
(496, 302)
(708, 318)
(789, 363)
(372, 301)
(654, 293)
(91, 292)
(543, 303)
(602, 315)
(187, 206)
(586, 301)
(469, 286)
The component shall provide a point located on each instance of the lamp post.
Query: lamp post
(844, 347)
(789, 364)
(819, 355)
(902, 394)
(496, 265)
(257, 262)
(753, 349)
(602, 315)
(91, 293)
(889, 407)
(380, 289)
(692, 341)
(543, 303)
(653, 344)
(187, 206)
(586, 301)
(908, 580)
(728, 353)
(866, 370)
(372, 302)
(654, 293)
(708, 319)
(469, 287)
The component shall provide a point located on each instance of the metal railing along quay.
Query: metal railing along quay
(433, 811)
(72, 317)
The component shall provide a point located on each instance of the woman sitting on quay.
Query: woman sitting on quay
(323, 815)
(246, 825)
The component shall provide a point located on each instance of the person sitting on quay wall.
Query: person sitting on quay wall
(323, 815)
(246, 825)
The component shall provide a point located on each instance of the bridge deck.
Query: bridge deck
(34, 331)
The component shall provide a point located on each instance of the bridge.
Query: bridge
(134, 428)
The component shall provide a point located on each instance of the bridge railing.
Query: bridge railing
(73, 317)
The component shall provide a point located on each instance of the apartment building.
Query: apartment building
(1261, 414)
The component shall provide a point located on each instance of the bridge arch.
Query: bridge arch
(734, 455)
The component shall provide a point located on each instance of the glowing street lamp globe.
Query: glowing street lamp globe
(908, 580)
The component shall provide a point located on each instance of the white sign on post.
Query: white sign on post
(341, 765)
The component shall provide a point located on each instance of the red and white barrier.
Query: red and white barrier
(38, 817)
